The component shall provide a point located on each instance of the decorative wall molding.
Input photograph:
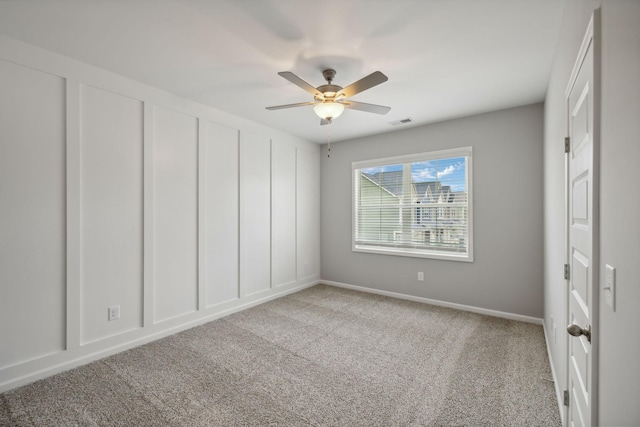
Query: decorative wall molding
(136, 170)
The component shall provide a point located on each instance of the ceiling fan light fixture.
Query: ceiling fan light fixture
(329, 101)
(328, 110)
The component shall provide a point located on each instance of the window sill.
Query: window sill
(416, 253)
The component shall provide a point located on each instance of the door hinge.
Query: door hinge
(567, 144)
(566, 272)
(566, 398)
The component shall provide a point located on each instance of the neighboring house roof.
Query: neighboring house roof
(390, 181)
(426, 192)
(430, 192)
(368, 178)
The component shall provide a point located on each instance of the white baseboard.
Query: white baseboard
(556, 384)
(33, 370)
(51, 365)
(479, 310)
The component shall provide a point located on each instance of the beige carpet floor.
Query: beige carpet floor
(324, 356)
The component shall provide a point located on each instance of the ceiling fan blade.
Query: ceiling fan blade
(299, 82)
(299, 104)
(369, 108)
(364, 83)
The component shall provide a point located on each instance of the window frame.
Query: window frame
(466, 152)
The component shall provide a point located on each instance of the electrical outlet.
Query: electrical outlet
(420, 276)
(114, 312)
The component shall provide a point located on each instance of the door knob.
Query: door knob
(576, 331)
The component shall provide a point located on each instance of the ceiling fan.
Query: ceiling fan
(330, 100)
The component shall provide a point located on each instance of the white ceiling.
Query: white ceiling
(444, 58)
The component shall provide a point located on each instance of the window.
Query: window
(417, 205)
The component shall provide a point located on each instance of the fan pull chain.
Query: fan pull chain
(329, 140)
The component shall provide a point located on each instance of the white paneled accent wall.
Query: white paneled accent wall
(111, 211)
(113, 193)
(255, 214)
(32, 214)
(283, 214)
(175, 218)
(308, 206)
(219, 147)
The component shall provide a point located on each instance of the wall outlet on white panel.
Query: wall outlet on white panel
(114, 312)
(610, 286)
(420, 276)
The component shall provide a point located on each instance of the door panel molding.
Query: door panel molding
(582, 227)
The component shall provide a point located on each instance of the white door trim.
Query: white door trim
(592, 37)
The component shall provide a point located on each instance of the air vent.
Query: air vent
(402, 122)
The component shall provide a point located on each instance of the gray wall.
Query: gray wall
(507, 183)
(620, 212)
(619, 376)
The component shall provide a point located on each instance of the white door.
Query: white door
(582, 237)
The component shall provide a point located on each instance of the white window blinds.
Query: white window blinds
(417, 205)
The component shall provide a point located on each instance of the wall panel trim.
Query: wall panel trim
(147, 294)
(74, 215)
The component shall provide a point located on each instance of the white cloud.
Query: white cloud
(423, 174)
(447, 171)
(450, 169)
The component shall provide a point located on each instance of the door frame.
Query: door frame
(592, 37)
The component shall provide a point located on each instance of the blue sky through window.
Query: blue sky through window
(450, 171)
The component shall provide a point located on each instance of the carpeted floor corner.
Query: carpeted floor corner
(324, 356)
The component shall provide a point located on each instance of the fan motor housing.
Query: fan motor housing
(331, 89)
